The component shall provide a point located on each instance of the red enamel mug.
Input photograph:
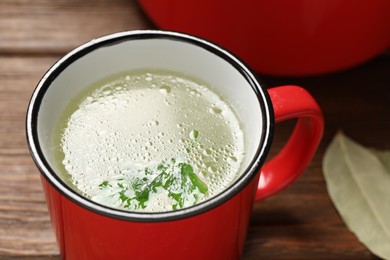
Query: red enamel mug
(213, 229)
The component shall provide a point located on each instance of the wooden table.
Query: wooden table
(298, 223)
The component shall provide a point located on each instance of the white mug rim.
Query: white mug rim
(49, 174)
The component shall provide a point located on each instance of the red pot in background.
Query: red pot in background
(290, 38)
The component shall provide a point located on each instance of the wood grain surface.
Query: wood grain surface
(298, 223)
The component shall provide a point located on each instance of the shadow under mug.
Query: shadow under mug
(214, 229)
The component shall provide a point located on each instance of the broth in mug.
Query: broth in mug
(150, 141)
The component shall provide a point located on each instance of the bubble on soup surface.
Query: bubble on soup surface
(165, 89)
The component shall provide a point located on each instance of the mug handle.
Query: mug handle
(291, 102)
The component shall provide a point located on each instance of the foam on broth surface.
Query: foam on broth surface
(130, 129)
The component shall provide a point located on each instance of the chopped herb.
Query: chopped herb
(179, 198)
(195, 134)
(187, 169)
(178, 179)
(161, 167)
(103, 184)
(122, 196)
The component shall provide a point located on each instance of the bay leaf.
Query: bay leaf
(384, 157)
(358, 183)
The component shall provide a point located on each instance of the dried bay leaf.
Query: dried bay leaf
(384, 157)
(358, 183)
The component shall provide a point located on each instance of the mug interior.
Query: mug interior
(122, 52)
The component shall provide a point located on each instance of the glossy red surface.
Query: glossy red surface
(291, 102)
(219, 233)
(295, 37)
